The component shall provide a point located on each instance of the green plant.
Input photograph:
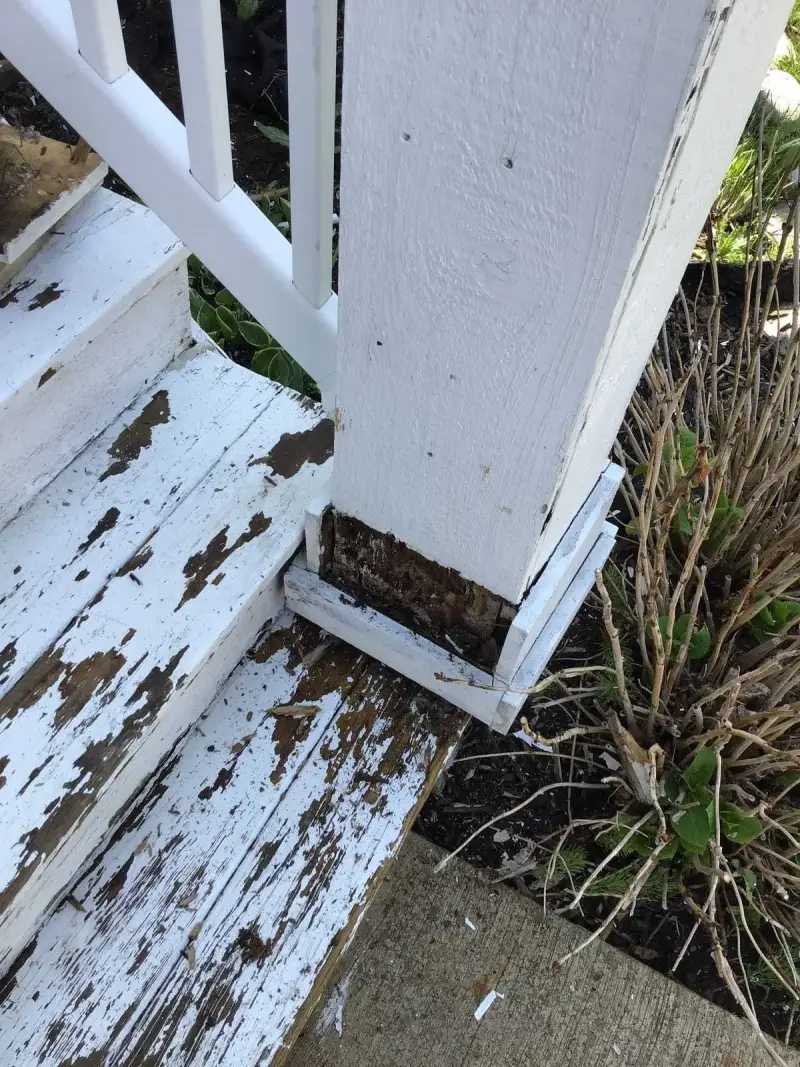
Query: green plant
(224, 319)
(247, 9)
(696, 689)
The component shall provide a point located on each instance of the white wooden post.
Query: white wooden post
(311, 52)
(522, 184)
(99, 34)
(201, 64)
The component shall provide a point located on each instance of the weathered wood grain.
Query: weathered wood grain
(95, 713)
(232, 885)
(181, 843)
(443, 673)
(57, 554)
(92, 319)
(277, 923)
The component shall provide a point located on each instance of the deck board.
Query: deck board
(95, 713)
(57, 554)
(209, 924)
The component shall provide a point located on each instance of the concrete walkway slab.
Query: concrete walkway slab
(406, 991)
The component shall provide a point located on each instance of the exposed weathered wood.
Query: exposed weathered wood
(89, 321)
(96, 712)
(230, 889)
(429, 599)
(40, 181)
(521, 187)
(406, 991)
(444, 673)
(57, 554)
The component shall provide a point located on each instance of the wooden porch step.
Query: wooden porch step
(94, 317)
(129, 607)
(205, 932)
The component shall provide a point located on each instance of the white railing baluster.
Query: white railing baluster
(99, 33)
(201, 64)
(311, 46)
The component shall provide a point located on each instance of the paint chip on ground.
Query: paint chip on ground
(486, 1003)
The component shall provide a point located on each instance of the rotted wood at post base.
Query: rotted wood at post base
(432, 600)
(429, 623)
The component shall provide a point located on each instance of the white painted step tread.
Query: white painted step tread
(95, 713)
(209, 924)
(106, 254)
(56, 555)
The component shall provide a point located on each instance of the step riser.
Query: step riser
(42, 894)
(86, 387)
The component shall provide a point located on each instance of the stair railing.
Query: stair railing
(73, 52)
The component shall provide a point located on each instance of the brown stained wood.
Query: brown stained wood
(294, 449)
(229, 891)
(34, 172)
(431, 600)
(138, 435)
(271, 937)
(130, 673)
(178, 847)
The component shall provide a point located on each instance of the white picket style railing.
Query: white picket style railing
(73, 52)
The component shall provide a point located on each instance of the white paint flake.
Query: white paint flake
(487, 1002)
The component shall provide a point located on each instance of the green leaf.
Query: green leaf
(669, 851)
(750, 881)
(195, 302)
(261, 361)
(226, 298)
(790, 779)
(680, 629)
(688, 447)
(296, 377)
(737, 825)
(272, 133)
(206, 317)
(279, 369)
(227, 322)
(700, 643)
(639, 469)
(693, 828)
(670, 787)
(255, 334)
(701, 770)
(686, 516)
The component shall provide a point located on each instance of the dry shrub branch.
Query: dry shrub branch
(698, 694)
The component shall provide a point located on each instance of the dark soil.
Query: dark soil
(255, 56)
